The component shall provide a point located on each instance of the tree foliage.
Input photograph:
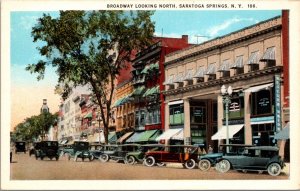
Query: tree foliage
(34, 127)
(90, 48)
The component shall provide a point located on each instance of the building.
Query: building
(251, 62)
(147, 82)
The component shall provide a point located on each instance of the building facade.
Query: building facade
(251, 62)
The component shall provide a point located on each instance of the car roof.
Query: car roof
(267, 148)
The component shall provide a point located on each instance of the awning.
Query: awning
(178, 136)
(145, 70)
(145, 136)
(179, 78)
(221, 134)
(258, 88)
(112, 137)
(151, 91)
(89, 115)
(269, 54)
(189, 75)
(63, 142)
(154, 66)
(168, 134)
(200, 73)
(124, 137)
(253, 58)
(238, 63)
(169, 81)
(211, 69)
(134, 137)
(284, 133)
(225, 66)
(138, 91)
(154, 136)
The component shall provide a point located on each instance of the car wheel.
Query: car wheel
(160, 164)
(104, 158)
(82, 158)
(204, 165)
(56, 158)
(244, 171)
(223, 166)
(149, 161)
(130, 160)
(274, 169)
(190, 164)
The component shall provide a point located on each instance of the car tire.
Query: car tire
(223, 166)
(130, 160)
(160, 164)
(104, 158)
(204, 165)
(190, 164)
(274, 169)
(149, 161)
(91, 157)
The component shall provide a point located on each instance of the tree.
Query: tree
(91, 48)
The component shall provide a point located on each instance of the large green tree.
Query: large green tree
(90, 47)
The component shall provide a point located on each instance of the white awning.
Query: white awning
(261, 122)
(168, 134)
(178, 136)
(175, 102)
(258, 88)
(221, 134)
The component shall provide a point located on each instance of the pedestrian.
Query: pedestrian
(210, 149)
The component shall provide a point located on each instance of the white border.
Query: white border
(21, 5)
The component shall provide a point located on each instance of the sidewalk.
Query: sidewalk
(286, 169)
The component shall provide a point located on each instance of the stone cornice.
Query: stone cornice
(237, 36)
(245, 76)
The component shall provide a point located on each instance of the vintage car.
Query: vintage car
(79, 149)
(117, 152)
(256, 158)
(20, 146)
(47, 149)
(208, 160)
(185, 154)
(138, 155)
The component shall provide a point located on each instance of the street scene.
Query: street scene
(131, 95)
(63, 169)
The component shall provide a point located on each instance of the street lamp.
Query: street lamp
(226, 94)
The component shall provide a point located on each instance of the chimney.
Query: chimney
(185, 38)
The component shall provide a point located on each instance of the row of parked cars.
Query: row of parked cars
(238, 157)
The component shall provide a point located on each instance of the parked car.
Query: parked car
(47, 149)
(117, 152)
(187, 155)
(257, 158)
(208, 160)
(138, 155)
(20, 146)
(79, 149)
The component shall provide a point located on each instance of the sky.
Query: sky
(27, 93)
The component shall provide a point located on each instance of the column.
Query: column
(167, 116)
(220, 114)
(247, 113)
(187, 123)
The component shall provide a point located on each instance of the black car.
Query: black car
(208, 160)
(20, 146)
(79, 149)
(257, 158)
(117, 152)
(47, 149)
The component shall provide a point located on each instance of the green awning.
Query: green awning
(151, 91)
(154, 66)
(138, 91)
(145, 70)
(134, 137)
(89, 115)
(154, 136)
(112, 137)
(145, 136)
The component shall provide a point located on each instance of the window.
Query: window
(236, 108)
(253, 61)
(176, 114)
(262, 103)
(198, 114)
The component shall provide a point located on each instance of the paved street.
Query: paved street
(28, 168)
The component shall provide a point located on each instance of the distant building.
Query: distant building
(45, 108)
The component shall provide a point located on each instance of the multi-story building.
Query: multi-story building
(251, 62)
(147, 81)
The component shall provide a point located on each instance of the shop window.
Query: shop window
(215, 112)
(198, 136)
(262, 103)
(176, 114)
(236, 108)
(198, 114)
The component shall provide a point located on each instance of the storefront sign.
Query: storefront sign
(234, 106)
(264, 102)
(277, 81)
(262, 119)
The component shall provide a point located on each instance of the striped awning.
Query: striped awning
(225, 66)
(179, 78)
(253, 58)
(268, 55)
(170, 134)
(189, 75)
(151, 91)
(211, 69)
(238, 63)
(89, 115)
(124, 137)
(200, 73)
